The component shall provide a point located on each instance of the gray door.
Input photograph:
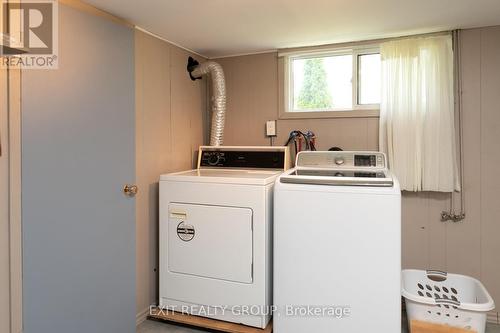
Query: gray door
(78, 150)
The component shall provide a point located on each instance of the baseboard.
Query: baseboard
(141, 316)
(493, 317)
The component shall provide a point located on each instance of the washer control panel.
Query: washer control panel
(341, 159)
(243, 157)
(367, 160)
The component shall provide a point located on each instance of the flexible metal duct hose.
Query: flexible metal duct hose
(218, 98)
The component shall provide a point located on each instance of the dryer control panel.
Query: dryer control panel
(276, 158)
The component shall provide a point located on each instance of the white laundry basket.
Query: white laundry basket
(448, 299)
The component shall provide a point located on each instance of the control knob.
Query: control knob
(214, 159)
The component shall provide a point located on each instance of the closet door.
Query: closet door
(78, 151)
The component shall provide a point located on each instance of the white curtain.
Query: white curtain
(417, 128)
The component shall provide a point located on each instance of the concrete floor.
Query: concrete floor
(150, 326)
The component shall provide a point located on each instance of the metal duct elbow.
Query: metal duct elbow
(196, 71)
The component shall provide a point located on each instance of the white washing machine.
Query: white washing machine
(216, 234)
(337, 245)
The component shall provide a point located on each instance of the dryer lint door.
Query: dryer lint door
(210, 241)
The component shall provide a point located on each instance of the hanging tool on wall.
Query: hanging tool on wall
(299, 138)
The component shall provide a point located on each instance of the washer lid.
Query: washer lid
(225, 176)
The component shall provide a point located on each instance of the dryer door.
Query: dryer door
(210, 241)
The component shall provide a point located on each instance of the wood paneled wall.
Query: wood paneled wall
(471, 247)
(487, 135)
(4, 205)
(10, 202)
(170, 116)
(10, 196)
(252, 98)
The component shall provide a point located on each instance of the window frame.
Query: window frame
(357, 110)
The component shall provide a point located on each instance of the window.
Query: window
(331, 82)
(369, 79)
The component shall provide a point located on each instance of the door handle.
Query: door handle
(130, 190)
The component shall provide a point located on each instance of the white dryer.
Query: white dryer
(337, 245)
(216, 234)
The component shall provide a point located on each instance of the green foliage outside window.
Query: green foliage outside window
(314, 93)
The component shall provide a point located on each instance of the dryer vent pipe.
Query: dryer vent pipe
(196, 71)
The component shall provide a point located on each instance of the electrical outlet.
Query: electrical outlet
(271, 128)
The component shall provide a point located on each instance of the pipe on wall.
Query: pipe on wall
(196, 71)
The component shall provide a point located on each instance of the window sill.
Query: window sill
(365, 113)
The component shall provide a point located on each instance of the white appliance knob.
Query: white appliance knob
(339, 160)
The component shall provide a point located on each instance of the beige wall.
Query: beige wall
(4, 209)
(471, 247)
(10, 201)
(170, 112)
(252, 88)
(10, 198)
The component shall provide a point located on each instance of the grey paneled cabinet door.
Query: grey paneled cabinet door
(78, 150)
